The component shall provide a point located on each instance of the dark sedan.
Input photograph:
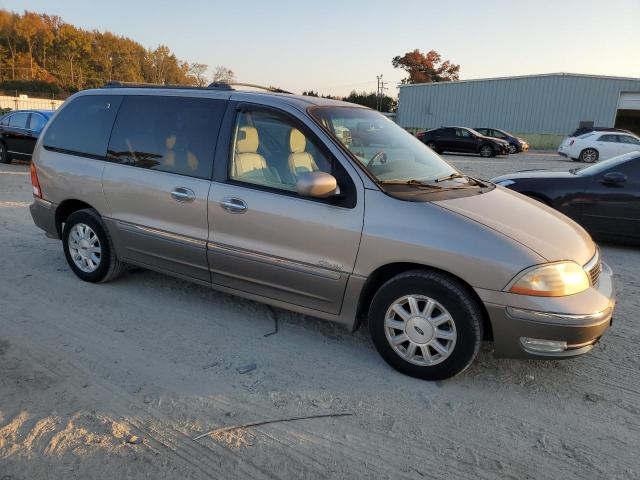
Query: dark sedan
(19, 132)
(516, 144)
(604, 197)
(463, 140)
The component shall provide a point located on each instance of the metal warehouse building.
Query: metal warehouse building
(541, 108)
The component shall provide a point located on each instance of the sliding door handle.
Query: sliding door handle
(234, 205)
(182, 194)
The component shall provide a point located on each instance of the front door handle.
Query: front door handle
(234, 205)
(183, 194)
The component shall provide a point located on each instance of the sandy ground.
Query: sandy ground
(113, 381)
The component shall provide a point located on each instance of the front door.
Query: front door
(157, 181)
(464, 141)
(267, 240)
(613, 207)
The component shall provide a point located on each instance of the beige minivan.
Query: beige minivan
(283, 199)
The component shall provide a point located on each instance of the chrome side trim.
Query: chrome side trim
(164, 234)
(19, 153)
(590, 319)
(275, 261)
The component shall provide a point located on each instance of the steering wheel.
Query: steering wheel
(381, 155)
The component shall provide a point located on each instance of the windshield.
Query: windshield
(604, 165)
(384, 149)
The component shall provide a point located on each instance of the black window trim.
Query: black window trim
(348, 196)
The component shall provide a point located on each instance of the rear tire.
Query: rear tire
(88, 248)
(415, 310)
(589, 155)
(4, 154)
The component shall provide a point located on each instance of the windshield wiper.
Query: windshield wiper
(450, 177)
(411, 181)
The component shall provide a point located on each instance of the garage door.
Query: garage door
(628, 114)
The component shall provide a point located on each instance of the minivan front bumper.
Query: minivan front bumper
(550, 327)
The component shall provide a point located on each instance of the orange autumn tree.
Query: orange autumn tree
(426, 67)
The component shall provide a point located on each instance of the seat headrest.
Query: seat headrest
(248, 140)
(297, 141)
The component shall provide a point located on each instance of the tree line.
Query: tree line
(40, 52)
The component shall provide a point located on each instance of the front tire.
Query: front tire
(89, 249)
(487, 151)
(426, 325)
(589, 155)
(4, 154)
(432, 145)
(512, 149)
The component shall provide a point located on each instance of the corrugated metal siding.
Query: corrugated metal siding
(550, 104)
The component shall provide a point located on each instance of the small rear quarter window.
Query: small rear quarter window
(84, 125)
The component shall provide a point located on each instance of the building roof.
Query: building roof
(517, 77)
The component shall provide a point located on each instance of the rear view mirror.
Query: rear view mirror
(316, 184)
(614, 177)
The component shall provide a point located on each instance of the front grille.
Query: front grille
(593, 269)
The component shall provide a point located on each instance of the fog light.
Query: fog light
(539, 345)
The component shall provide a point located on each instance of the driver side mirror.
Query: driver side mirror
(614, 178)
(316, 184)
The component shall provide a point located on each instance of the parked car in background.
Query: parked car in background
(598, 145)
(604, 198)
(463, 140)
(516, 144)
(581, 131)
(258, 195)
(19, 132)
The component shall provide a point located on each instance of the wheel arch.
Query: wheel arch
(382, 274)
(66, 208)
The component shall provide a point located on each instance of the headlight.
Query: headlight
(552, 280)
(506, 183)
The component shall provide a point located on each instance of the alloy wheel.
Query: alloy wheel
(486, 151)
(420, 330)
(590, 155)
(84, 247)
(512, 148)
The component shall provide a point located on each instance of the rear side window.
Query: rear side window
(5, 120)
(19, 120)
(83, 126)
(37, 122)
(170, 134)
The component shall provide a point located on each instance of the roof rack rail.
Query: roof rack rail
(252, 85)
(213, 86)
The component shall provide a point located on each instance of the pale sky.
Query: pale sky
(336, 46)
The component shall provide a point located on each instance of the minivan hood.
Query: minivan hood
(539, 227)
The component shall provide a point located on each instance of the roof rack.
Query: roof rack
(252, 85)
(212, 86)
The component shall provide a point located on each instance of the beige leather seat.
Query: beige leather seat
(247, 159)
(299, 159)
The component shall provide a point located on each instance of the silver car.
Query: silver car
(268, 196)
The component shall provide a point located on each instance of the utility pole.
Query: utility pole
(379, 78)
(382, 89)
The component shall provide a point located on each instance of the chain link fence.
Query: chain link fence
(21, 100)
